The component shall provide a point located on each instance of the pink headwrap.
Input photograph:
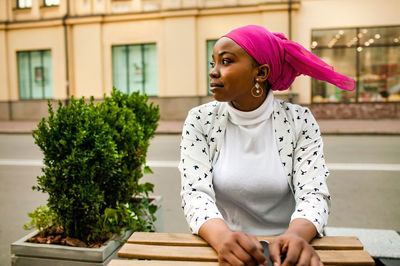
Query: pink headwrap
(287, 59)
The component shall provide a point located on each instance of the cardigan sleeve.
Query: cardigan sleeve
(197, 192)
(310, 173)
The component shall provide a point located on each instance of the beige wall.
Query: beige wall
(3, 10)
(87, 60)
(180, 36)
(180, 56)
(4, 88)
(9, 12)
(35, 39)
(320, 14)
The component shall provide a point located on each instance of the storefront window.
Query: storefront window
(35, 74)
(135, 68)
(370, 55)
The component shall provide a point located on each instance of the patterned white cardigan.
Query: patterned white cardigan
(300, 148)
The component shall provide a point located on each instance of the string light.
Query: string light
(314, 44)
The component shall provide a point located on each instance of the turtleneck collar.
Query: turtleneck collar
(262, 113)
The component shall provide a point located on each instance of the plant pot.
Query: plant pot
(24, 253)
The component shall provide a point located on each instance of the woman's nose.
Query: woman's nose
(214, 73)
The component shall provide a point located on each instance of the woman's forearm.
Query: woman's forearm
(212, 230)
(302, 228)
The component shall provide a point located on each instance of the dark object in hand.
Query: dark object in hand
(266, 253)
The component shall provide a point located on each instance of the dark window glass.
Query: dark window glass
(135, 68)
(35, 74)
(210, 47)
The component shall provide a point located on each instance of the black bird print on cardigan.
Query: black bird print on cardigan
(300, 149)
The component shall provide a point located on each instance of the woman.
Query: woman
(254, 165)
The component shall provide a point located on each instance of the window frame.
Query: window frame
(208, 61)
(129, 90)
(33, 76)
(18, 5)
(45, 4)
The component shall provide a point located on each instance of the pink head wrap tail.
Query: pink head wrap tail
(287, 59)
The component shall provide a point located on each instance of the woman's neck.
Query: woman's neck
(251, 103)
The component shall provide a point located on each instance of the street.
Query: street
(364, 183)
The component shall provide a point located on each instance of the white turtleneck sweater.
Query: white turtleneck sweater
(252, 192)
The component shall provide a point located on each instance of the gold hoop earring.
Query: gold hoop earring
(257, 91)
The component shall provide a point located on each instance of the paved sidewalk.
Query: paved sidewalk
(340, 126)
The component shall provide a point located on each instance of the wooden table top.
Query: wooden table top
(187, 249)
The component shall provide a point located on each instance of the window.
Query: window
(35, 74)
(370, 55)
(24, 3)
(51, 2)
(210, 47)
(135, 68)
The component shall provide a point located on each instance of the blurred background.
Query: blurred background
(52, 49)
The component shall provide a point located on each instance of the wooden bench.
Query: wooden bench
(191, 250)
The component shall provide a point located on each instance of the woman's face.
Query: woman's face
(233, 73)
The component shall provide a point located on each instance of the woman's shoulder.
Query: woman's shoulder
(207, 117)
(290, 107)
(298, 116)
(207, 109)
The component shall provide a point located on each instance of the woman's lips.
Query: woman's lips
(215, 86)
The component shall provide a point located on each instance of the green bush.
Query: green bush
(94, 157)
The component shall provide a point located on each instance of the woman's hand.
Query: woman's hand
(238, 248)
(297, 250)
(233, 248)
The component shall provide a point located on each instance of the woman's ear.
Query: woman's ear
(263, 72)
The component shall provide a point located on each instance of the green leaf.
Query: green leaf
(153, 208)
(147, 170)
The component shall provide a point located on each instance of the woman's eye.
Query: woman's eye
(225, 61)
(212, 64)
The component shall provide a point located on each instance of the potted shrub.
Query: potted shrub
(94, 157)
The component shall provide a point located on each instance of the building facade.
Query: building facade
(52, 49)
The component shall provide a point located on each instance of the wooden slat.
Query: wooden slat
(330, 242)
(170, 239)
(140, 251)
(345, 257)
(327, 242)
(159, 262)
(337, 243)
